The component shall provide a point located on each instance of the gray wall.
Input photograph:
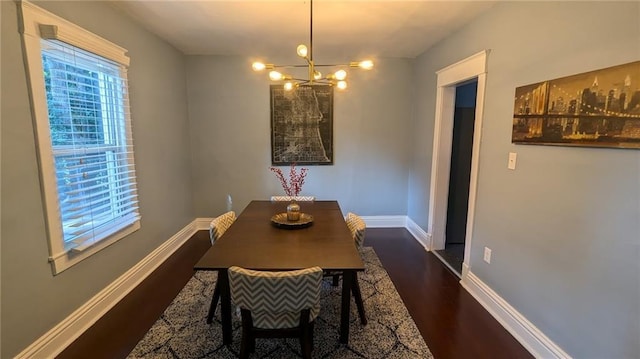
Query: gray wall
(564, 226)
(33, 300)
(229, 112)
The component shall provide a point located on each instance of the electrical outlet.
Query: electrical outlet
(487, 255)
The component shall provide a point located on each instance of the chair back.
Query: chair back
(357, 226)
(276, 299)
(293, 198)
(220, 224)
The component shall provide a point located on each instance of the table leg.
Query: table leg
(347, 281)
(225, 310)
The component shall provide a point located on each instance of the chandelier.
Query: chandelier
(337, 78)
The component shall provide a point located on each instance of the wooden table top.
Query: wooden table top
(253, 242)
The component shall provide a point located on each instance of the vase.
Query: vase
(293, 212)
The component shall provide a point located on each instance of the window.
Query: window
(81, 115)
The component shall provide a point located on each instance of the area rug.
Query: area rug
(182, 331)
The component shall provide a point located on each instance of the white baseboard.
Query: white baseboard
(59, 337)
(534, 340)
(419, 234)
(202, 223)
(385, 221)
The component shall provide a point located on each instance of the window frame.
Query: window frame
(37, 24)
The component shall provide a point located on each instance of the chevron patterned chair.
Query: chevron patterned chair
(220, 224)
(293, 198)
(217, 227)
(357, 226)
(276, 305)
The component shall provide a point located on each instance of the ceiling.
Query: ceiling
(341, 29)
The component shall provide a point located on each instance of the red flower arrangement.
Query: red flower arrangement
(296, 179)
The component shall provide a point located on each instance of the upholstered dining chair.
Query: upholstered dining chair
(293, 198)
(217, 227)
(357, 226)
(220, 224)
(276, 305)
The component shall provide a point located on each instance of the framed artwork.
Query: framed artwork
(302, 125)
(593, 109)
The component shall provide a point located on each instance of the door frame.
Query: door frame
(473, 67)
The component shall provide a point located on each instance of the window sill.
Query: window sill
(70, 258)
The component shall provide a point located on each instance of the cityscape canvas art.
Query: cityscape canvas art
(593, 109)
(302, 125)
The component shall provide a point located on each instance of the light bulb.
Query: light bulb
(342, 85)
(366, 64)
(301, 50)
(275, 75)
(317, 75)
(340, 75)
(288, 86)
(258, 66)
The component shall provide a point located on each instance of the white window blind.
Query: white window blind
(89, 123)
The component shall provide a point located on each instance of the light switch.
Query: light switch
(512, 160)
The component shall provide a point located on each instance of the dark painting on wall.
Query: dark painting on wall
(302, 125)
(594, 109)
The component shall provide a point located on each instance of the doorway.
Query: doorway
(473, 68)
(459, 175)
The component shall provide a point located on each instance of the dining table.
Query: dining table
(260, 239)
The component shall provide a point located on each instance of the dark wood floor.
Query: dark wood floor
(452, 322)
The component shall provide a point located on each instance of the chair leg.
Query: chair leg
(311, 329)
(252, 343)
(355, 288)
(306, 343)
(336, 280)
(244, 346)
(247, 344)
(214, 303)
(306, 334)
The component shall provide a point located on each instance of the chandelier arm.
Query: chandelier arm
(288, 79)
(303, 81)
(289, 66)
(331, 65)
